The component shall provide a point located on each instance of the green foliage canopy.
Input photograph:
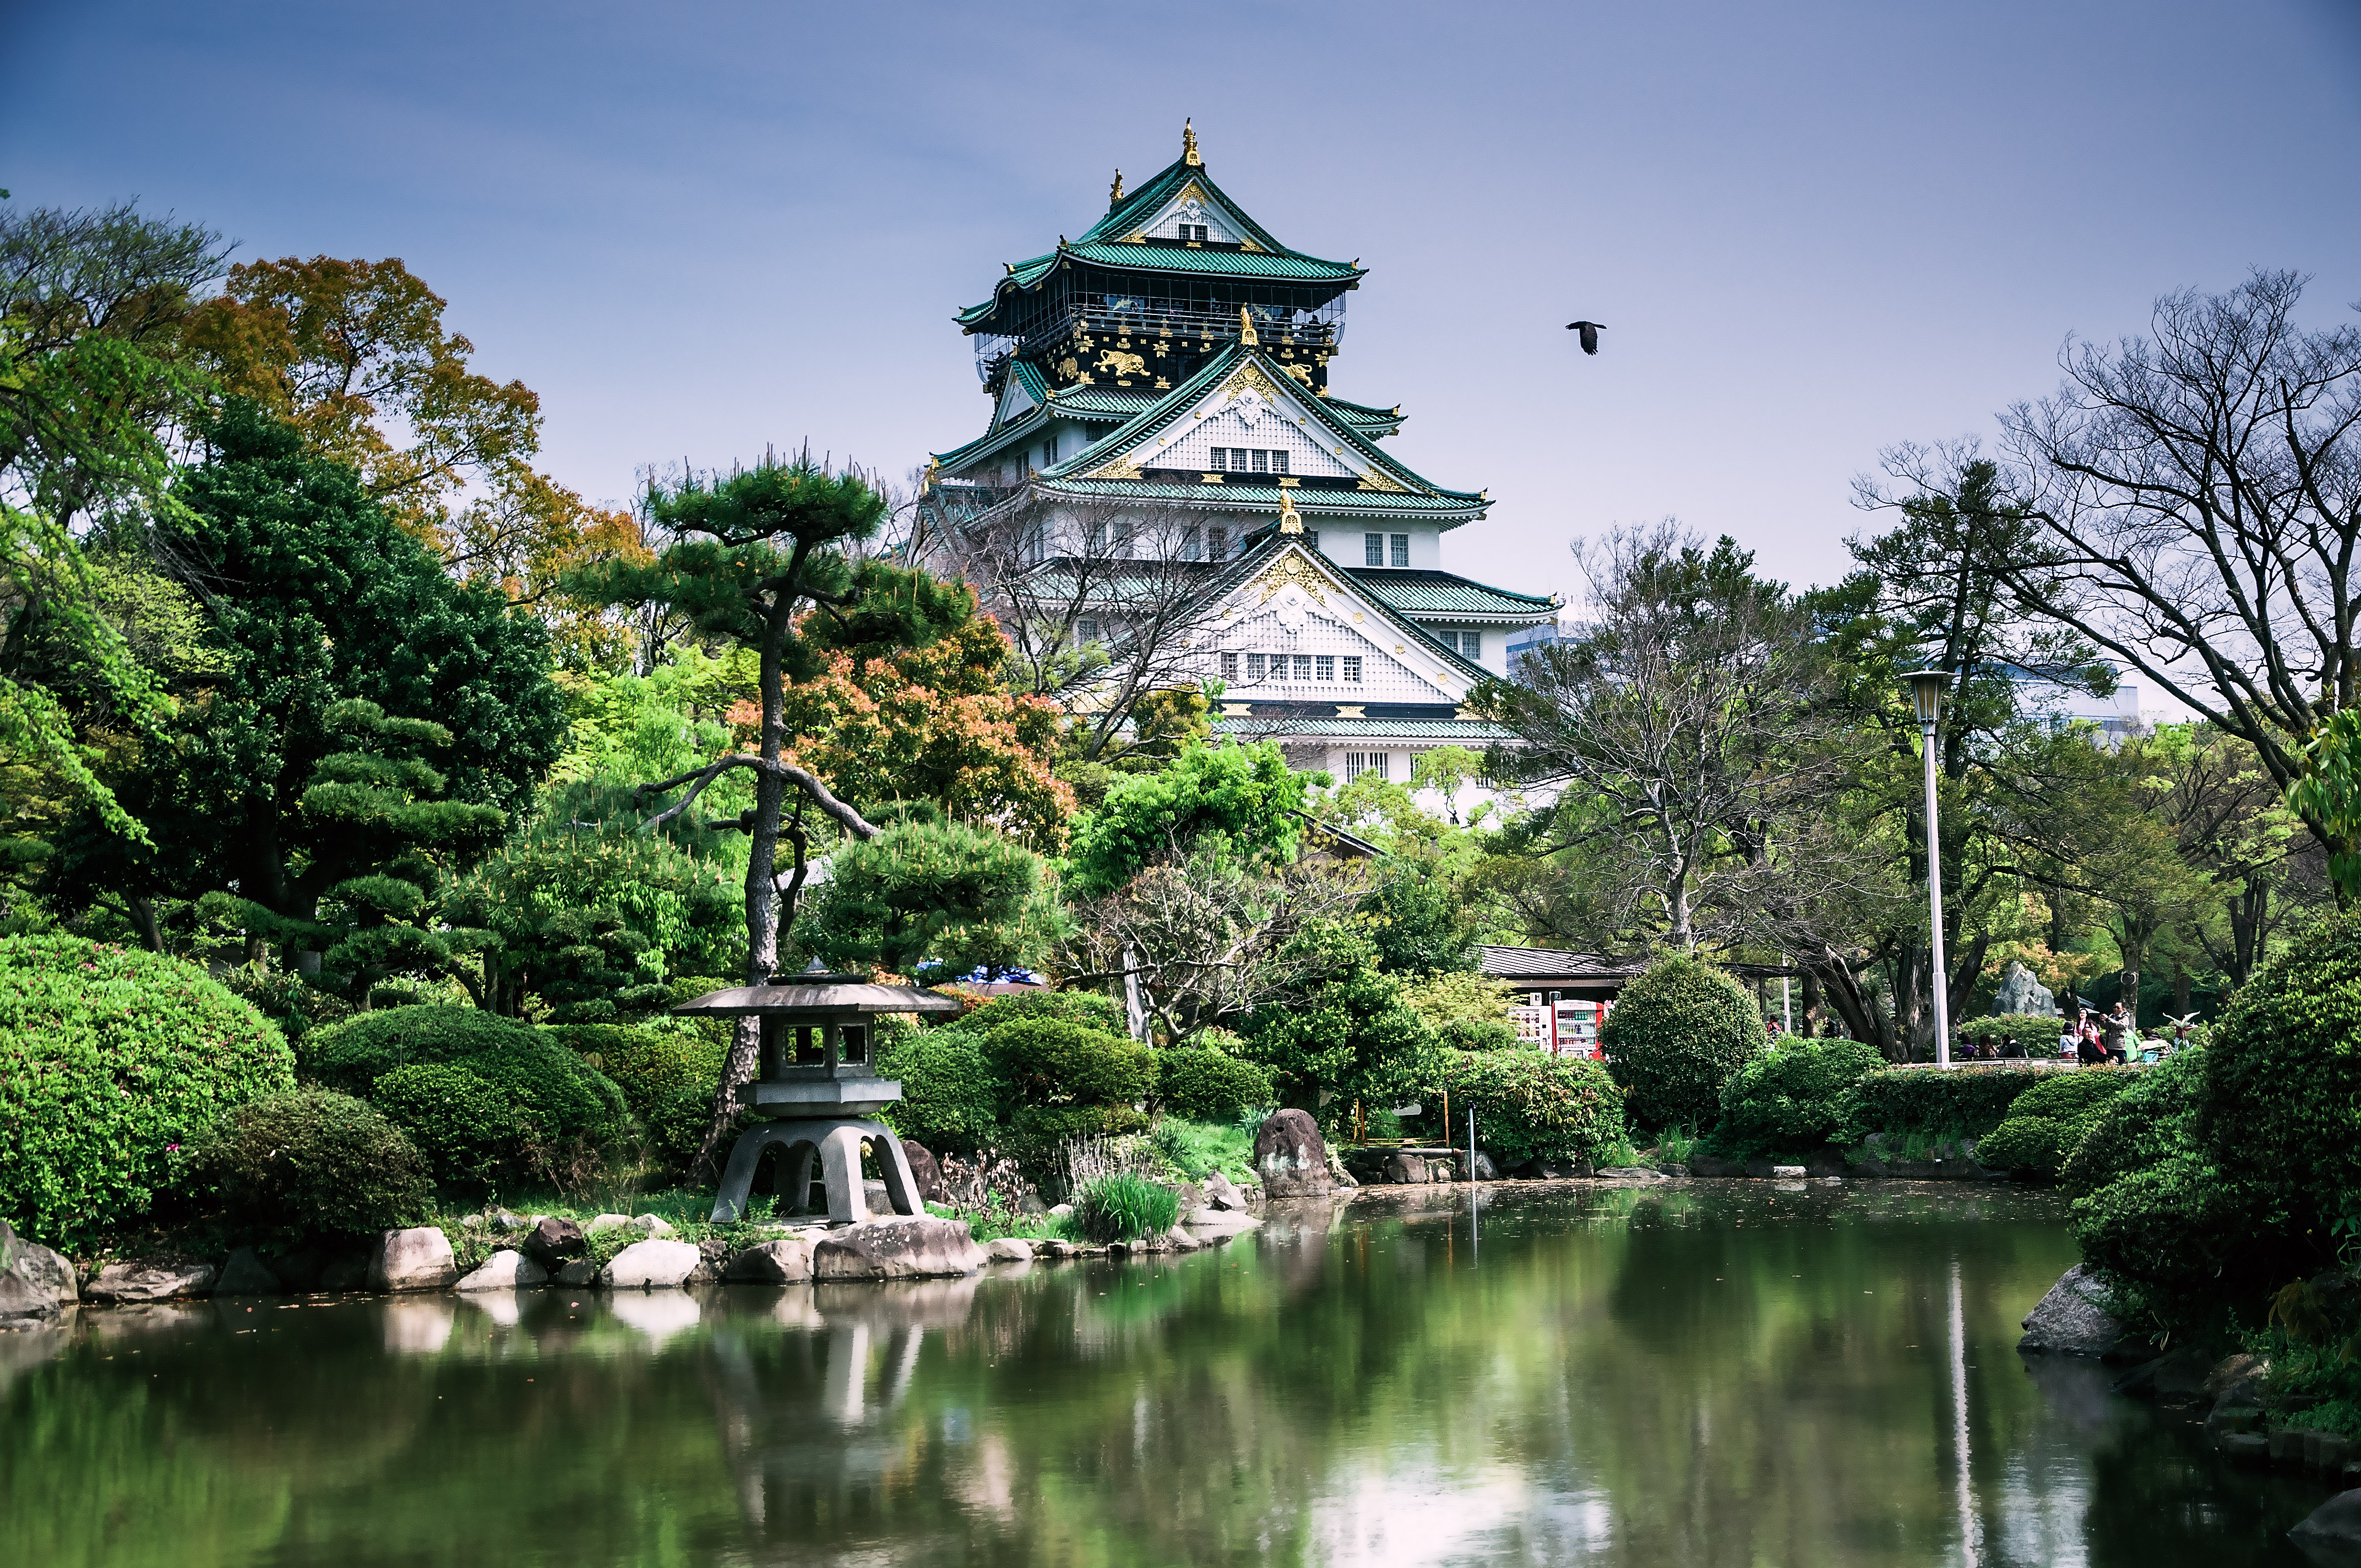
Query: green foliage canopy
(1676, 1037)
(1243, 792)
(1794, 1097)
(930, 899)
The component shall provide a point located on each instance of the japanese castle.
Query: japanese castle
(1160, 388)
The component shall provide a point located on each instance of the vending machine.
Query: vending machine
(1577, 1031)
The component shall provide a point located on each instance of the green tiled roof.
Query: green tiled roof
(1419, 591)
(1103, 243)
(1106, 402)
(1312, 504)
(1467, 731)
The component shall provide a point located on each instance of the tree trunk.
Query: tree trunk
(1811, 1002)
(151, 930)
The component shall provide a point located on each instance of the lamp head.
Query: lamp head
(1926, 693)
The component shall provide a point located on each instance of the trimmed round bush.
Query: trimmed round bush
(1087, 1008)
(472, 1132)
(2036, 1032)
(2140, 1127)
(1124, 1208)
(1208, 1085)
(1793, 1099)
(2046, 1123)
(951, 1099)
(1676, 1035)
(1047, 1062)
(1530, 1104)
(312, 1162)
(2179, 1227)
(112, 1058)
(2281, 1095)
(668, 1077)
(564, 1096)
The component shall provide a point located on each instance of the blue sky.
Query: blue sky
(1812, 229)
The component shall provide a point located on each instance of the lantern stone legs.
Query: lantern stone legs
(835, 1142)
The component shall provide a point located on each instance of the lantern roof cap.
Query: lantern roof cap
(818, 992)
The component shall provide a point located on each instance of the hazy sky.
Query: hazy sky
(1812, 229)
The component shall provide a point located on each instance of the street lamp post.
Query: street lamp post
(1927, 697)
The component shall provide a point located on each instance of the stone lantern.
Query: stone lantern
(817, 1088)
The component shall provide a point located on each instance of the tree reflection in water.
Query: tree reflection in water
(1700, 1373)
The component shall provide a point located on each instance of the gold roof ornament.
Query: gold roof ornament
(1188, 146)
(1290, 520)
(1245, 328)
(1114, 195)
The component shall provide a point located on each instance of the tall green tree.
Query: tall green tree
(758, 548)
(932, 899)
(315, 598)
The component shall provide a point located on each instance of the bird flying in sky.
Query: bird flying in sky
(1590, 331)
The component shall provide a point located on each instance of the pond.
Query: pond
(1699, 1373)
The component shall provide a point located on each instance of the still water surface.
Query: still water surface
(1700, 1373)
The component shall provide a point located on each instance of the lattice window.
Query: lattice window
(1353, 668)
(1303, 666)
(1254, 667)
(1217, 544)
(1471, 645)
(1086, 630)
(1359, 763)
(1229, 666)
(1373, 550)
(1402, 550)
(1324, 667)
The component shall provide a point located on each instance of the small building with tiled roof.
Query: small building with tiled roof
(1167, 376)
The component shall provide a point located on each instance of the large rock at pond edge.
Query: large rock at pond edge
(1220, 1193)
(1406, 1169)
(2073, 1319)
(1290, 1158)
(244, 1274)
(926, 1170)
(1009, 1249)
(1216, 1224)
(652, 1265)
(2336, 1524)
(418, 1258)
(506, 1269)
(35, 1281)
(897, 1249)
(154, 1282)
(787, 1262)
(552, 1241)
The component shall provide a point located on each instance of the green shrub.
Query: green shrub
(1087, 1008)
(2047, 1123)
(667, 1076)
(1676, 1036)
(473, 1133)
(1199, 1148)
(1793, 1099)
(2179, 1228)
(2140, 1127)
(1964, 1103)
(1208, 1085)
(311, 1162)
(1036, 1133)
(110, 1060)
(1124, 1208)
(566, 1096)
(1049, 1061)
(2281, 1089)
(2036, 1032)
(1530, 1104)
(952, 1102)
(1466, 1012)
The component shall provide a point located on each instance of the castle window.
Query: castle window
(1373, 550)
(1229, 666)
(1303, 666)
(1401, 549)
(1221, 459)
(1253, 666)
(1353, 668)
(1086, 630)
(1278, 462)
(1449, 638)
(1324, 667)
(1471, 644)
(1359, 763)
(1191, 548)
(1217, 544)
(1261, 460)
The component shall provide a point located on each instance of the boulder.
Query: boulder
(2020, 993)
(504, 1222)
(35, 1281)
(506, 1269)
(785, 1262)
(652, 1265)
(908, 1249)
(652, 1226)
(1290, 1157)
(714, 1255)
(418, 1258)
(244, 1275)
(1009, 1249)
(1061, 1211)
(2335, 1524)
(601, 1223)
(2073, 1319)
(1218, 1224)
(553, 1241)
(1220, 1193)
(926, 1171)
(1632, 1173)
(1702, 1164)
(874, 1195)
(153, 1281)
(574, 1273)
(1787, 1172)
(1406, 1170)
(1030, 1203)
